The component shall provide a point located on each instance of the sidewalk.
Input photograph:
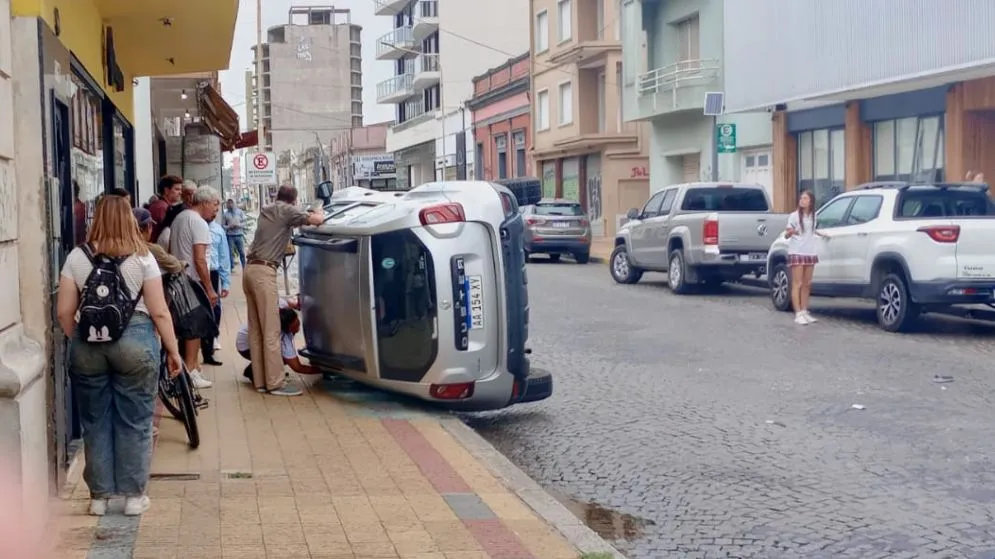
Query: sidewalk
(337, 473)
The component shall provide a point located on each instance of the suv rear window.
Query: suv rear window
(936, 202)
(558, 209)
(404, 291)
(724, 199)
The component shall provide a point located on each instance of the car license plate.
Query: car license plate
(476, 296)
(753, 257)
(561, 225)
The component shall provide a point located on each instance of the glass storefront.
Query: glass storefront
(822, 163)
(909, 149)
(120, 155)
(87, 155)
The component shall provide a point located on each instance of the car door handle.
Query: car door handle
(861, 234)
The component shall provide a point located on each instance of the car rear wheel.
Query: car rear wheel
(554, 257)
(780, 287)
(621, 268)
(676, 273)
(582, 257)
(896, 311)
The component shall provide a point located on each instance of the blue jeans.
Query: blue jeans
(116, 385)
(237, 244)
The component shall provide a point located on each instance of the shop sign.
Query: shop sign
(379, 166)
(113, 72)
(639, 173)
(260, 168)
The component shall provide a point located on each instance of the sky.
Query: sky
(275, 12)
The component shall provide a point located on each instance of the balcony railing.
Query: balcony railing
(426, 16)
(426, 62)
(395, 44)
(392, 89)
(673, 77)
(427, 9)
(388, 7)
(414, 109)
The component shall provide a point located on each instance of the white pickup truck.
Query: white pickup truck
(912, 248)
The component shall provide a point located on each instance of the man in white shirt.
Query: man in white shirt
(190, 240)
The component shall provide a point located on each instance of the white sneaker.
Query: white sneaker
(808, 316)
(98, 507)
(800, 319)
(217, 344)
(136, 506)
(198, 380)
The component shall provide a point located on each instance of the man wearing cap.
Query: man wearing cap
(168, 263)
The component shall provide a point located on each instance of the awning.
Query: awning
(218, 115)
(247, 140)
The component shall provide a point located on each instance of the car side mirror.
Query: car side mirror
(632, 214)
(324, 192)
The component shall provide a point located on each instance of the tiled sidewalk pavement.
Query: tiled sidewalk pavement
(344, 473)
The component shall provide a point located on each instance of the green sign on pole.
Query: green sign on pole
(725, 135)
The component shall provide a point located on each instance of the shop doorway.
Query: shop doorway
(63, 200)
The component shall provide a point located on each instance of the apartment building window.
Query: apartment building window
(566, 103)
(599, 16)
(909, 148)
(501, 145)
(822, 163)
(602, 109)
(542, 110)
(542, 32)
(688, 35)
(618, 20)
(619, 95)
(431, 98)
(564, 16)
(478, 163)
(520, 164)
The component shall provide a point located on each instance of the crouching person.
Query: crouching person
(290, 325)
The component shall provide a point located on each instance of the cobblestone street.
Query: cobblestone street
(732, 432)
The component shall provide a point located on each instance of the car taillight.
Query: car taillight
(942, 233)
(507, 204)
(710, 232)
(535, 221)
(584, 222)
(443, 213)
(458, 391)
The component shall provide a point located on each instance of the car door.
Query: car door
(851, 241)
(640, 229)
(828, 218)
(659, 227)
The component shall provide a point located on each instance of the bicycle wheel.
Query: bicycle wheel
(167, 393)
(184, 393)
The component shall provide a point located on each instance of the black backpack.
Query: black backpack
(105, 304)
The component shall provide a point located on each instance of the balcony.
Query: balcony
(426, 18)
(389, 7)
(675, 88)
(395, 90)
(427, 71)
(397, 44)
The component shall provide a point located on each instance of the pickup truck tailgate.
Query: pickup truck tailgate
(976, 248)
(749, 232)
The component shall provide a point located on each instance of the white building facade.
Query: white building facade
(437, 47)
(665, 83)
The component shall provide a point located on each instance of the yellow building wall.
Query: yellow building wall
(82, 31)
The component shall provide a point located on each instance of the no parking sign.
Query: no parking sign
(260, 168)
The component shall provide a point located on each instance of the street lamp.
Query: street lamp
(442, 101)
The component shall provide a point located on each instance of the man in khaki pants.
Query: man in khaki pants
(273, 231)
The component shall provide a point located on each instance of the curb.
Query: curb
(548, 508)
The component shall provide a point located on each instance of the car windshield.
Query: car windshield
(936, 202)
(404, 291)
(724, 199)
(558, 209)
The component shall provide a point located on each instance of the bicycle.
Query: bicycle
(183, 401)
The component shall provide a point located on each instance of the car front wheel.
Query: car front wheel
(621, 267)
(780, 287)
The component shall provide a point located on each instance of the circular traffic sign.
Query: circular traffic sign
(260, 161)
(725, 130)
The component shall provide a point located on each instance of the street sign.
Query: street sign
(725, 136)
(260, 168)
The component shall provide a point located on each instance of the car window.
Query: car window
(668, 201)
(724, 198)
(831, 215)
(558, 208)
(865, 208)
(935, 202)
(652, 207)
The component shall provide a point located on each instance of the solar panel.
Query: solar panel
(714, 103)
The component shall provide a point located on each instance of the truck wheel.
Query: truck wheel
(621, 268)
(676, 273)
(780, 287)
(896, 311)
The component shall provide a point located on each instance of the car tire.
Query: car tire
(895, 310)
(554, 257)
(621, 267)
(677, 273)
(780, 287)
(582, 257)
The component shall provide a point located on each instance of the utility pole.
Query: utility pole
(260, 131)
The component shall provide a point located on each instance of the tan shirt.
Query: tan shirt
(273, 231)
(168, 263)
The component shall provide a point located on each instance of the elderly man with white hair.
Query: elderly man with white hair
(190, 240)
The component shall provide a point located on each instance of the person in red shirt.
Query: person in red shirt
(79, 217)
(170, 188)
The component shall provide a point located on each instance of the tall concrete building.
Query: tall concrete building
(437, 47)
(312, 80)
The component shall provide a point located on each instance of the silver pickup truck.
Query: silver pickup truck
(698, 233)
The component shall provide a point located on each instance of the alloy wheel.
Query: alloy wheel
(674, 273)
(890, 302)
(780, 287)
(621, 265)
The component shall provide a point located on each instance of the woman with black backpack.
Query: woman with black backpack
(111, 304)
